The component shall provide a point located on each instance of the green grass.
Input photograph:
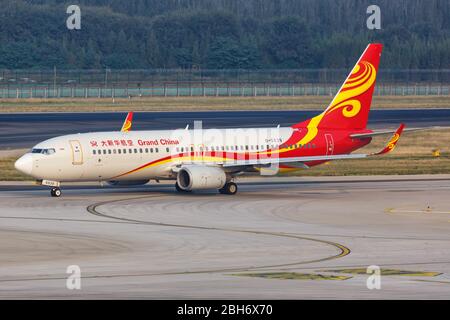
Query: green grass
(292, 276)
(8, 172)
(389, 272)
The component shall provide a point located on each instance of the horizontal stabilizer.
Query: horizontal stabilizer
(392, 142)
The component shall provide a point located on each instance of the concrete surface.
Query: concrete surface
(150, 242)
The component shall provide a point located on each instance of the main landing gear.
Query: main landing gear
(229, 188)
(55, 192)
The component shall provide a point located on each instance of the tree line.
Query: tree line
(221, 34)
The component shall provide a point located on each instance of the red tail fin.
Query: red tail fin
(351, 105)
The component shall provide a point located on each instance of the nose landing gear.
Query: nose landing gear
(55, 192)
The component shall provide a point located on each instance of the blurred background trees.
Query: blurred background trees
(221, 34)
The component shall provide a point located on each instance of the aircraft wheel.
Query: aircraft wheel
(55, 192)
(229, 188)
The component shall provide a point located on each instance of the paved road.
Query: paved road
(25, 130)
(151, 242)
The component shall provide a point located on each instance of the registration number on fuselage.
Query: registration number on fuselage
(50, 183)
(274, 140)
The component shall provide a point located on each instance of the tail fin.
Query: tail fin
(127, 123)
(351, 105)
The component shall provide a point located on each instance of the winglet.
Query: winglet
(392, 142)
(127, 123)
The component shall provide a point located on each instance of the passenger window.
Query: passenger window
(104, 151)
(167, 149)
(114, 151)
(151, 150)
(146, 150)
(119, 151)
(156, 150)
(135, 150)
(94, 152)
(140, 150)
(124, 151)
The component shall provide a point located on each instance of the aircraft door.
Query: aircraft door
(330, 144)
(77, 152)
(201, 152)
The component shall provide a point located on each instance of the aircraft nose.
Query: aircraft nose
(24, 164)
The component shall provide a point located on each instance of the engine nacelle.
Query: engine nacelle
(127, 182)
(198, 177)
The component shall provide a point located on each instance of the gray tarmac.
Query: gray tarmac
(23, 130)
(151, 242)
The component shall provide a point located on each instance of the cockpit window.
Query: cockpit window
(44, 151)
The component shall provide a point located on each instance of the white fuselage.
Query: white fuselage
(105, 156)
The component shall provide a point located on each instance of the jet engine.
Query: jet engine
(201, 177)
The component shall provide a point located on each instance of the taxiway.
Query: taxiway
(150, 242)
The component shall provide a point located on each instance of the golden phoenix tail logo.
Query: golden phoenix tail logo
(361, 79)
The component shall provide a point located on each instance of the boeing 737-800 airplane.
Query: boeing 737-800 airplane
(212, 158)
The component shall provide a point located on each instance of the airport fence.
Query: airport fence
(16, 84)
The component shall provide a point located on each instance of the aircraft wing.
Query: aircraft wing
(127, 123)
(267, 161)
